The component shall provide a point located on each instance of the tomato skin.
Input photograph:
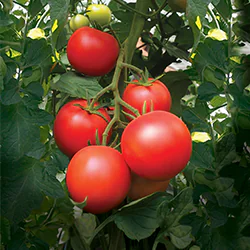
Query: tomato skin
(157, 145)
(141, 187)
(78, 21)
(157, 95)
(101, 174)
(99, 13)
(74, 127)
(92, 52)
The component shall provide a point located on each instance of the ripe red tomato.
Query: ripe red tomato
(74, 127)
(92, 52)
(100, 174)
(157, 145)
(157, 95)
(141, 187)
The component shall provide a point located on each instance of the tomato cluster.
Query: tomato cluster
(154, 147)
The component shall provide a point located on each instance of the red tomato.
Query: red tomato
(157, 95)
(92, 52)
(157, 145)
(74, 127)
(100, 174)
(141, 187)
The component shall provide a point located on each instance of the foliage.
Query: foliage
(207, 205)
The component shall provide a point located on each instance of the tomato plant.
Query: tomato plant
(75, 127)
(141, 187)
(43, 67)
(78, 21)
(92, 52)
(154, 96)
(100, 174)
(99, 13)
(157, 145)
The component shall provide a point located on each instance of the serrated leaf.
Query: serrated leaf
(202, 157)
(218, 215)
(211, 52)
(38, 52)
(195, 221)
(58, 9)
(226, 150)
(180, 236)
(77, 85)
(181, 204)
(207, 91)
(177, 83)
(222, 188)
(197, 116)
(138, 220)
(20, 132)
(25, 182)
(10, 94)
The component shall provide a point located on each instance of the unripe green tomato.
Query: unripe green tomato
(178, 5)
(78, 21)
(99, 13)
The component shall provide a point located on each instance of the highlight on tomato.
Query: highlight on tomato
(156, 145)
(75, 127)
(92, 52)
(155, 96)
(100, 174)
(141, 187)
(99, 14)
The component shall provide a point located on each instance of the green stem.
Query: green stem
(100, 227)
(10, 43)
(99, 95)
(213, 16)
(132, 67)
(115, 238)
(140, 12)
(136, 29)
(42, 17)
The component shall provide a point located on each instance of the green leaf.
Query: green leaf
(197, 116)
(5, 230)
(195, 221)
(4, 19)
(180, 236)
(177, 83)
(202, 157)
(11, 93)
(170, 214)
(58, 9)
(138, 220)
(218, 215)
(25, 182)
(196, 8)
(86, 225)
(222, 189)
(77, 85)
(182, 204)
(211, 52)
(37, 52)
(207, 91)
(20, 131)
(226, 150)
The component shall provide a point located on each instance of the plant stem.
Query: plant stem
(136, 29)
(42, 17)
(210, 10)
(100, 227)
(99, 95)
